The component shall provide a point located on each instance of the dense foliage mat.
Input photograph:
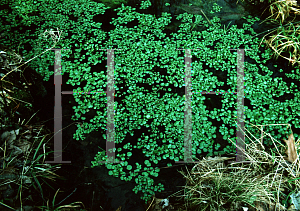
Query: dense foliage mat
(149, 79)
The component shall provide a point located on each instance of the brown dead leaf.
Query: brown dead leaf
(291, 149)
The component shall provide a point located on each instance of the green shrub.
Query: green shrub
(146, 49)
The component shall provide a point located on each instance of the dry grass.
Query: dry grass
(284, 40)
(266, 181)
(282, 9)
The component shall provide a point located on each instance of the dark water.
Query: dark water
(93, 186)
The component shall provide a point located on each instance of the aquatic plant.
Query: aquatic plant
(147, 52)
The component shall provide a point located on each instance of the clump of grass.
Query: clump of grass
(22, 150)
(266, 178)
(284, 39)
(283, 9)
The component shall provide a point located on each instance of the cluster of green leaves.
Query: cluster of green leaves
(73, 18)
(145, 50)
